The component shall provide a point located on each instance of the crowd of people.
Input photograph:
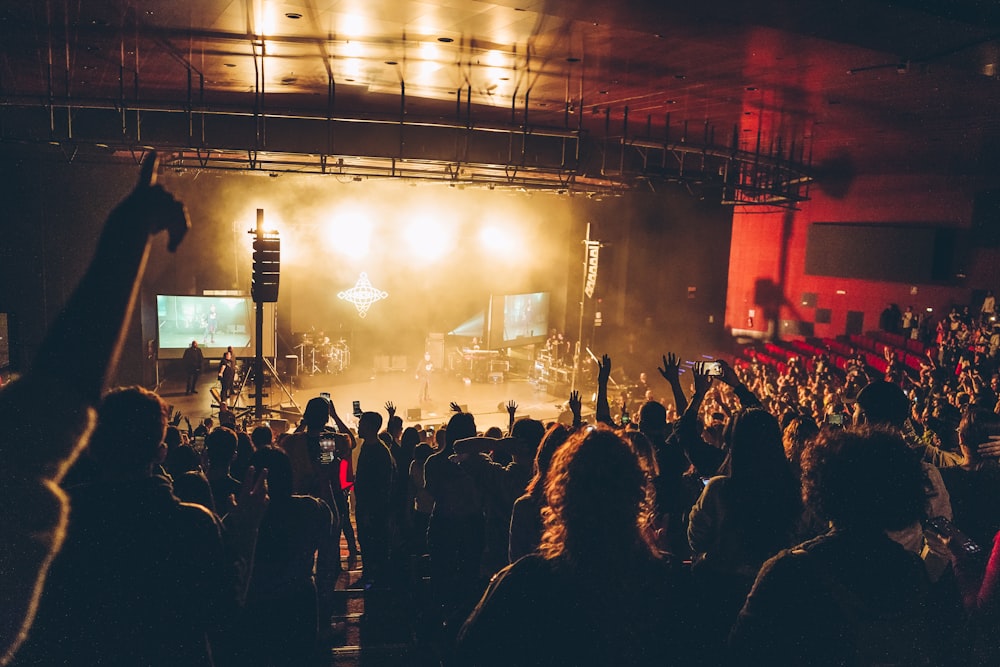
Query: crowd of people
(808, 516)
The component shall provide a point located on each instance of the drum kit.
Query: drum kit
(321, 355)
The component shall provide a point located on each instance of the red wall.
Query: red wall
(758, 252)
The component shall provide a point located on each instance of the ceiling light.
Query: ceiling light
(445, 40)
(230, 64)
(751, 88)
(572, 59)
(295, 16)
(391, 62)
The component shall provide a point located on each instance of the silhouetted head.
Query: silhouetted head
(279, 471)
(131, 424)
(881, 403)
(865, 478)
(317, 412)
(368, 425)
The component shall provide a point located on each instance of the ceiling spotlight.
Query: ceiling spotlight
(445, 40)
(572, 59)
(295, 16)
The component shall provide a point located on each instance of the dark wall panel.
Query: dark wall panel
(913, 254)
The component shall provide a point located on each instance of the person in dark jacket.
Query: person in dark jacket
(142, 579)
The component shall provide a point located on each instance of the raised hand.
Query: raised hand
(455, 407)
(671, 368)
(702, 381)
(156, 207)
(511, 408)
(390, 408)
(728, 374)
(604, 369)
(575, 404)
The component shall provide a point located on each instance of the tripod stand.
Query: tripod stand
(259, 387)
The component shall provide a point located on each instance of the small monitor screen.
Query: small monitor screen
(525, 317)
(216, 322)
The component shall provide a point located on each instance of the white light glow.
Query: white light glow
(351, 68)
(493, 59)
(353, 49)
(427, 238)
(353, 25)
(429, 51)
(267, 18)
(348, 233)
(497, 239)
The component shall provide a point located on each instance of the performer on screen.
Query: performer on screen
(211, 324)
(424, 370)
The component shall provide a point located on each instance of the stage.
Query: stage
(486, 400)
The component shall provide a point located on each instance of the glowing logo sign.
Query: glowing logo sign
(362, 295)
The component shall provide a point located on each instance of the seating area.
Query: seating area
(871, 347)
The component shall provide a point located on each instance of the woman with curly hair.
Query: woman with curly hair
(560, 606)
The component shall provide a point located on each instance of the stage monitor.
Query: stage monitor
(216, 322)
(525, 318)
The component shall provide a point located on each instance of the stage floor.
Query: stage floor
(485, 400)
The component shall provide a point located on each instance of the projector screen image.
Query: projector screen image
(216, 322)
(525, 317)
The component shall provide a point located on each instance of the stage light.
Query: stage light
(496, 239)
(348, 234)
(352, 68)
(353, 25)
(494, 59)
(352, 50)
(267, 19)
(427, 238)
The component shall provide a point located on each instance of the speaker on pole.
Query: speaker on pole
(266, 266)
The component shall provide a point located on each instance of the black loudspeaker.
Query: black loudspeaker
(266, 269)
(986, 219)
(291, 365)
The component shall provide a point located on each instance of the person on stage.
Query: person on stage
(193, 359)
(227, 376)
(424, 371)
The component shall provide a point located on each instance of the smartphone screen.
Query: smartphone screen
(357, 408)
